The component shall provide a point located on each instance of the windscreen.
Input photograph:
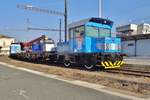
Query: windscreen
(97, 32)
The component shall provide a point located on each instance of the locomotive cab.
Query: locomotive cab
(91, 44)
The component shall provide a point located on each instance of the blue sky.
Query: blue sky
(13, 21)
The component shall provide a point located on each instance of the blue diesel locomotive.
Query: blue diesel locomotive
(91, 44)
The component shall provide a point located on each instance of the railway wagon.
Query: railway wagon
(91, 44)
(37, 50)
(14, 49)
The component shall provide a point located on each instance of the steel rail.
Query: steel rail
(130, 72)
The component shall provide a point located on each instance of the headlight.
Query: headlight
(112, 46)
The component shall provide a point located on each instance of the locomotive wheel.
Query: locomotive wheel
(67, 64)
(89, 66)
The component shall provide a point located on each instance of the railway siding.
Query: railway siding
(134, 85)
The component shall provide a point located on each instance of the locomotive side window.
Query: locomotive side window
(71, 35)
(79, 31)
(76, 32)
(92, 31)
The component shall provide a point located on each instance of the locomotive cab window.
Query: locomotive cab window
(92, 31)
(97, 32)
(76, 32)
(103, 32)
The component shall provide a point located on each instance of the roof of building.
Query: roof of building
(136, 37)
(126, 25)
(126, 28)
(3, 36)
(96, 20)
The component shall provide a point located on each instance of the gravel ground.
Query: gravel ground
(132, 84)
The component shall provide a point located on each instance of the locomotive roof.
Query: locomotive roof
(96, 20)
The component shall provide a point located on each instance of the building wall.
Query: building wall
(142, 47)
(5, 45)
(128, 47)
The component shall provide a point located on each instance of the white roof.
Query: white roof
(78, 23)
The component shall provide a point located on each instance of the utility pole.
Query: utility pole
(66, 19)
(60, 32)
(99, 8)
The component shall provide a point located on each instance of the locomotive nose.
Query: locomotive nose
(112, 61)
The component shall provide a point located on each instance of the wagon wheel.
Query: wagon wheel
(67, 63)
(89, 67)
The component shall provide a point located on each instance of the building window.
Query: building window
(130, 44)
(4, 44)
(0, 49)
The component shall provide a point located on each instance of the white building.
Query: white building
(143, 29)
(5, 43)
(127, 30)
(135, 39)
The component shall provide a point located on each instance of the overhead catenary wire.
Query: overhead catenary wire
(65, 13)
(36, 9)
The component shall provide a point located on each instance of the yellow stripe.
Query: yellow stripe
(110, 63)
(122, 62)
(118, 63)
(106, 63)
(112, 67)
(103, 64)
(115, 63)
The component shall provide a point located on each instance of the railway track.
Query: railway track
(130, 72)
